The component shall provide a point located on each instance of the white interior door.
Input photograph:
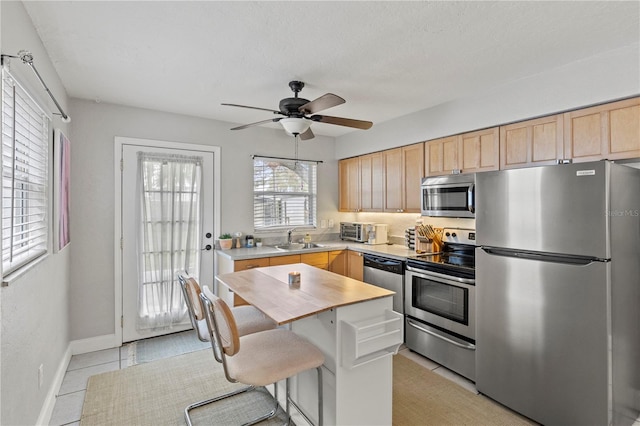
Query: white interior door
(133, 284)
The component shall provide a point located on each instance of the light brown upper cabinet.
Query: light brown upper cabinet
(362, 183)
(479, 150)
(531, 143)
(441, 156)
(372, 182)
(349, 178)
(404, 170)
(610, 131)
(465, 153)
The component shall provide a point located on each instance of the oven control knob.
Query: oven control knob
(454, 235)
(447, 234)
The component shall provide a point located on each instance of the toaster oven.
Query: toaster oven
(355, 231)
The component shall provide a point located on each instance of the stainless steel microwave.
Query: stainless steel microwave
(449, 196)
(354, 231)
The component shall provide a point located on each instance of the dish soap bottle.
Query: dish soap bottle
(307, 238)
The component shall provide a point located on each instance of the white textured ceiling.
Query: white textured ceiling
(387, 59)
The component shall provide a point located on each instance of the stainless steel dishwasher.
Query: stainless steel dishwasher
(386, 273)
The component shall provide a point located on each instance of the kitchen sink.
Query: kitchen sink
(296, 246)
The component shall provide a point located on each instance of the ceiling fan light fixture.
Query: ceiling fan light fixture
(295, 126)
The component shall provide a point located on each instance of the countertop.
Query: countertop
(268, 290)
(394, 251)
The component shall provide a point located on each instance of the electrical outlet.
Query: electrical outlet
(40, 375)
(330, 223)
(323, 223)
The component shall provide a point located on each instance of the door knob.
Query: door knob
(207, 247)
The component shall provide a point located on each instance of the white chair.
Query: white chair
(249, 320)
(267, 357)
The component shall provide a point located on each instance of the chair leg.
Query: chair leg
(270, 413)
(212, 400)
(264, 417)
(320, 398)
(288, 399)
(320, 402)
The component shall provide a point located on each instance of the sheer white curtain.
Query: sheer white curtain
(169, 187)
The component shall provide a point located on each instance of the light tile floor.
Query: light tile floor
(68, 407)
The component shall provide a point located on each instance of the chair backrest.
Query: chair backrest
(191, 293)
(221, 323)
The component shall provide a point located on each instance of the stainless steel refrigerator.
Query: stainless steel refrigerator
(558, 292)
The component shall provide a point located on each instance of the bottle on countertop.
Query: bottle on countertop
(307, 238)
(249, 239)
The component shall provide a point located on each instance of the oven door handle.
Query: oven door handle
(437, 275)
(468, 346)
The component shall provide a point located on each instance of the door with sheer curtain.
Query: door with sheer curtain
(167, 227)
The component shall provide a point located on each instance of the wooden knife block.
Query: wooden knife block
(423, 245)
(427, 245)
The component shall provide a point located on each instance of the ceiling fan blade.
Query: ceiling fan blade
(325, 101)
(257, 123)
(307, 135)
(347, 122)
(261, 109)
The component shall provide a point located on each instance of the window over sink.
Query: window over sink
(284, 193)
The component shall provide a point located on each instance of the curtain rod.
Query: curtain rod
(253, 156)
(27, 58)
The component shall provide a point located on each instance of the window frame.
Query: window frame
(25, 124)
(310, 215)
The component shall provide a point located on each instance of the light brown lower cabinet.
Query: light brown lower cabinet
(338, 262)
(242, 265)
(355, 265)
(318, 259)
(284, 260)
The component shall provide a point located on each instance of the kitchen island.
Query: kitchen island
(351, 322)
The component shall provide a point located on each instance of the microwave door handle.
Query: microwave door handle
(470, 196)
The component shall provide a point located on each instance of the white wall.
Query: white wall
(34, 307)
(608, 76)
(92, 158)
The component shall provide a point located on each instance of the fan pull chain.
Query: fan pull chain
(295, 136)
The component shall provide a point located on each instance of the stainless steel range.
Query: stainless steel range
(440, 303)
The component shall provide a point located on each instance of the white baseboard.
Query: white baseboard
(76, 347)
(50, 400)
(93, 344)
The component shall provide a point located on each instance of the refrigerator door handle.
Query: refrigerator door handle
(543, 257)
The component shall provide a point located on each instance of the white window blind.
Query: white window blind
(25, 159)
(284, 193)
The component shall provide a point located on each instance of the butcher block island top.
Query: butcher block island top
(268, 290)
